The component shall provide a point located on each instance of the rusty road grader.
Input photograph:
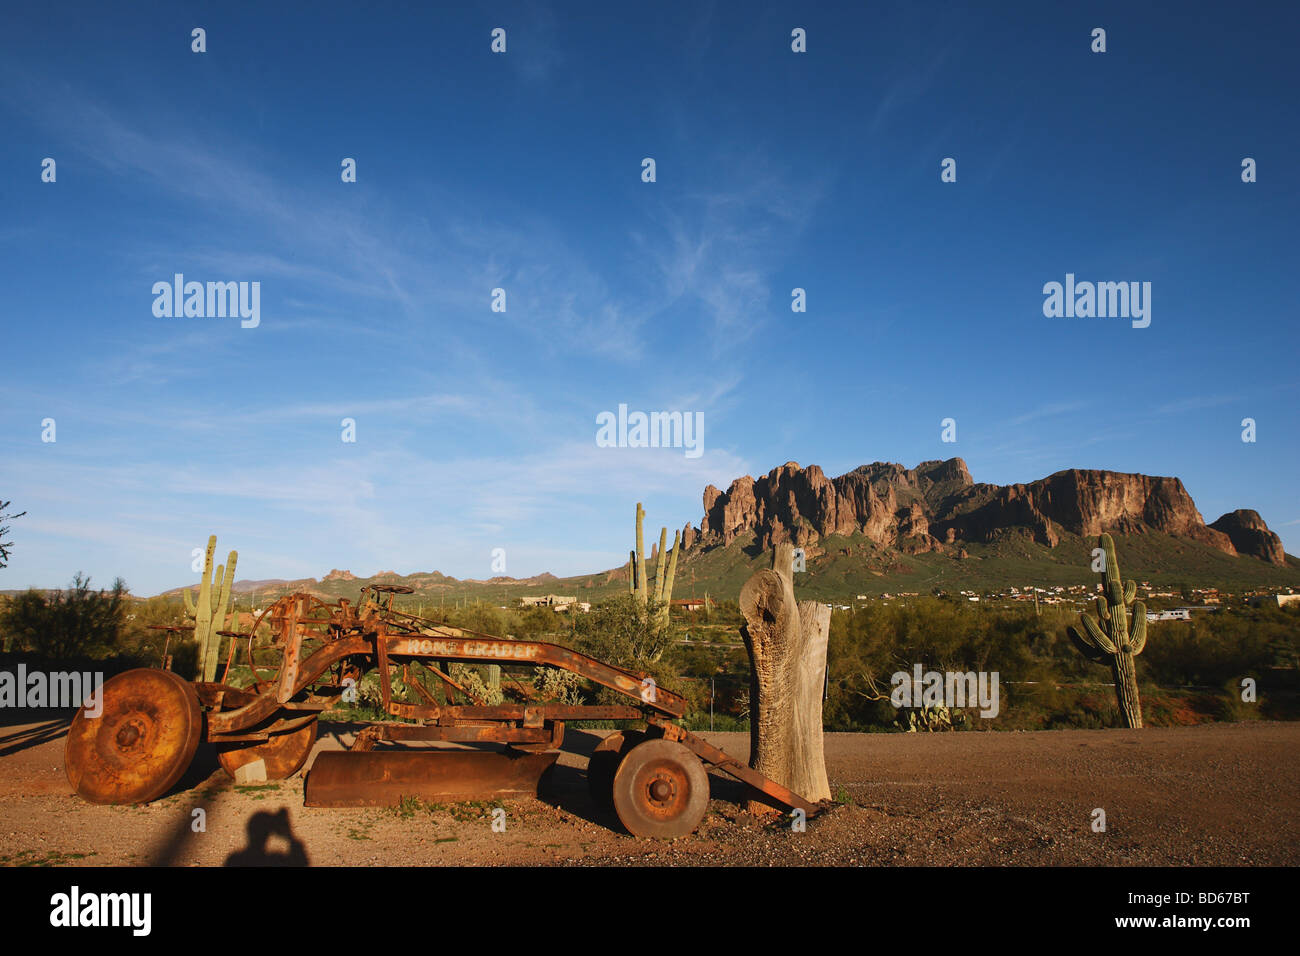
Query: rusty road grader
(150, 722)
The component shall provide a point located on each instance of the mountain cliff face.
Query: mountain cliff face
(937, 505)
(1249, 535)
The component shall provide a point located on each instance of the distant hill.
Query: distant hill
(429, 586)
(886, 528)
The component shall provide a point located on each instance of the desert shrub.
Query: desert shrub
(59, 624)
(558, 685)
(484, 618)
(470, 676)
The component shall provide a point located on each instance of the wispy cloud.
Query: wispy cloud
(1194, 403)
(1047, 411)
(718, 249)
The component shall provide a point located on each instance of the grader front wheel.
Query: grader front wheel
(660, 790)
(604, 761)
(134, 738)
(284, 754)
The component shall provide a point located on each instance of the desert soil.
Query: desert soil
(1224, 794)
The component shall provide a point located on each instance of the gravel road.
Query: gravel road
(1224, 794)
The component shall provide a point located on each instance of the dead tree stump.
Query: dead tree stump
(786, 641)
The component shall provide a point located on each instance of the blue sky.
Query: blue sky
(774, 170)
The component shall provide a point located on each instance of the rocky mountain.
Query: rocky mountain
(937, 506)
(910, 528)
(1249, 535)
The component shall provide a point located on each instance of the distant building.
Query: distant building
(547, 600)
(1177, 614)
(689, 604)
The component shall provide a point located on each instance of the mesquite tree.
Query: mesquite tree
(786, 640)
(4, 533)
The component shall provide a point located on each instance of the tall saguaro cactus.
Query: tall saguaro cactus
(1109, 635)
(209, 613)
(664, 573)
(664, 596)
(640, 555)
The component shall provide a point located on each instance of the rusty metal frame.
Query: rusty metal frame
(376, 633)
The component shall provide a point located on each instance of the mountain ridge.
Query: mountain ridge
(935, 511)
(938, 506)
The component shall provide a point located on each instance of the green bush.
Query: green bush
(59, 624)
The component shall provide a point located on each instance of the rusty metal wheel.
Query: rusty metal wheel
(284, 753)
(660, 790)
(604, 762)
(141, 742)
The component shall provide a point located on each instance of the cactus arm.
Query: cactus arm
(672, 568)
(660, 566)
(1139, 637)
(1098, 636)
(631, 572)
(1103, 611)
(1082, 643)
(1130, 591)
(204, 603)
(189, 603)
(227, 583)
(216, 592)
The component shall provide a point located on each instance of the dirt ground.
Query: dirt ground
(1224, 794)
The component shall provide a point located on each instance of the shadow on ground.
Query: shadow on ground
(15, 741)
(262, 827)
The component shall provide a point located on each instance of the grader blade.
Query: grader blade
(383, 778)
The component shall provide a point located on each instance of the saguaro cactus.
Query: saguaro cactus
(209, 613)
(1109, 634)
(664, 572)
(640, 555)
(664, 597)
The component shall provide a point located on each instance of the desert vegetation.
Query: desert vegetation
(1189, 672)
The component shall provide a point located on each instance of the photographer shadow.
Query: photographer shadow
(261, 828)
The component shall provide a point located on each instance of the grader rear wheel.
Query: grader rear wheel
(284, 753)
(661, 790)
(141, 741)
(604, 762)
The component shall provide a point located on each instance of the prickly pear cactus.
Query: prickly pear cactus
(933, 718)
(1111, 637)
